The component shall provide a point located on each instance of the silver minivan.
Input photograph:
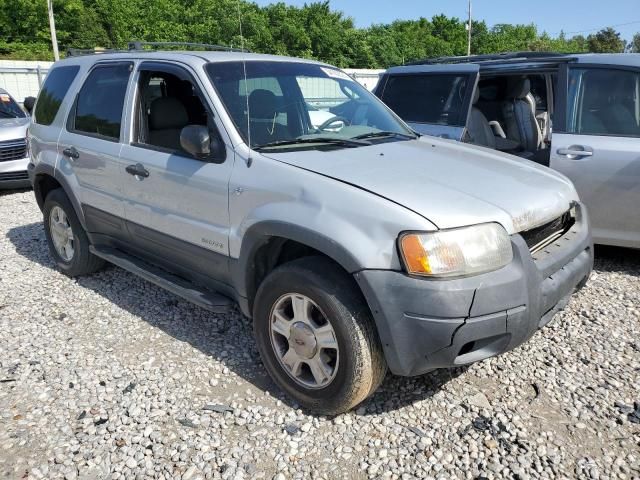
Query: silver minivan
(578, 114)
(356, 245)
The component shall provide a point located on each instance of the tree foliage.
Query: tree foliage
(606, 40)
(311, 31)
(634, 45)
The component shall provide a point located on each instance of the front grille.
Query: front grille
(13, 150)
(539, 237)
(9, 176)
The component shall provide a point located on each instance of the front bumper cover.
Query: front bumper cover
(425, 324)
(13, 174)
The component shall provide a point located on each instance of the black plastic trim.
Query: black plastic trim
(206, 299)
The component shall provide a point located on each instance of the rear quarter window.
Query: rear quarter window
(55, 87)
(436, 99)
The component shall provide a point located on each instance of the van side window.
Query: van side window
(604, 101)
(168, 102)
(55, 87)
(99, 105)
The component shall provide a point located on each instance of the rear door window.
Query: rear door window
(100, 102)
(55, 87)
(436, 99)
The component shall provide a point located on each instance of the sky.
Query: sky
(582, 16)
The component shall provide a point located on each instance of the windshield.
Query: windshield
(436, 99)
(301, 105)
(9, 108)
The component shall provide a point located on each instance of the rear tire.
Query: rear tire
(67, 240)
(351, 360)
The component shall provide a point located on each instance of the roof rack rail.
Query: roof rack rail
(77, 52)
(492, 57)
(138, 45)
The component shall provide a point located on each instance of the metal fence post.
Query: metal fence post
(39, 72)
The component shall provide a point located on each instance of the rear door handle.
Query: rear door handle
(71, 153)
(137, 170)
(576, 151)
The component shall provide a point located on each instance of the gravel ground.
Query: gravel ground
(107, 376)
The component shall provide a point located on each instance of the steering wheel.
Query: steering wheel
(331, 121)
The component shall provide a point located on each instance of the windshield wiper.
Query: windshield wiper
(384, 133)
(345, 142)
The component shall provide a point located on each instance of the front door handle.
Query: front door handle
(137, 170)
(576, 151)
(71, 153)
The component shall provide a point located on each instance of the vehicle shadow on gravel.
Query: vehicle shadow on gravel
(4, 193)
(617, 259)
(218, 338)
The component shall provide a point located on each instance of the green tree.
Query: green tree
(606, 40)
(634, 45)
(311, 31)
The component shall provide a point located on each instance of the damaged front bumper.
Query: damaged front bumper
(425, 324)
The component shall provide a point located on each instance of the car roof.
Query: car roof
(181, 56)
(627, 59)
(507, 59)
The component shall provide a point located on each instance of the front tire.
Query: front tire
(67, 240)
(316, 336)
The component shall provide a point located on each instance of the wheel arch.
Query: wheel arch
(45, 179)
(269, 244)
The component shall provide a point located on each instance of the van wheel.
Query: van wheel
(316, 336)
(68, 242)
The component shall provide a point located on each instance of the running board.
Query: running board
(214, 302)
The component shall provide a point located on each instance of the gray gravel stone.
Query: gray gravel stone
(108, 376)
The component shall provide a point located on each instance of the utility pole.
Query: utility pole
(469, 32)
(52, 27)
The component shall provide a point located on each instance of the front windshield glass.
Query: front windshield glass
(300, 105)
(9, 108)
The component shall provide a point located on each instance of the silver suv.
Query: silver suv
(14, 157)
(355, 245)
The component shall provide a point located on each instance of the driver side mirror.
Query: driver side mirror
(196, 140)
(29, 103)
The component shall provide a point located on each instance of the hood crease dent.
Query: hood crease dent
(448, 183)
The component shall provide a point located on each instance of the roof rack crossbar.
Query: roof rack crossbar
(138, 45)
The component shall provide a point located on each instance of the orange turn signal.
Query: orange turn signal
(415, 256)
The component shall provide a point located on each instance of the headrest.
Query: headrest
(518, 87)
(476, 95)
(167, 113)
(263, 105)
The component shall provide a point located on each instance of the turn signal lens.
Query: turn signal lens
(414, 254)
(457, 252)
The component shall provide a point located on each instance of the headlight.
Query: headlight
(456, 252)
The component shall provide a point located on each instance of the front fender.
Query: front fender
(356, 228)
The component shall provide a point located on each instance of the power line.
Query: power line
(599, 28)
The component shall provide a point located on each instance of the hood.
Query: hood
(13, 128)
(449, 183)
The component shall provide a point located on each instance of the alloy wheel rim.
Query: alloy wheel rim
(61, 233)
(304, 341)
